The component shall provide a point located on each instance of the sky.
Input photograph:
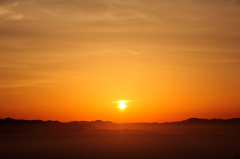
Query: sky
(73, 59)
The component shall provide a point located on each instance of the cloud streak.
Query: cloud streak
(7, 12)
(105, 10)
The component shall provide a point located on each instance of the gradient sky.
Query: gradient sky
(73, 59)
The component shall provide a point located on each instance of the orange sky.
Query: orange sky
(72, 60)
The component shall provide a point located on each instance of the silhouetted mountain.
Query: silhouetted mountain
(212, 121)
(99, 123)
(192, 125)
(191, 138)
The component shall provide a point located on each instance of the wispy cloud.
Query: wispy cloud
(7, 12)
(15, 17)
(228, 61)
(132, 52)
(27, 83)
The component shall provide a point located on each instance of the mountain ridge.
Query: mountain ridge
(189, 120)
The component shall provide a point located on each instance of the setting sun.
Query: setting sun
(122, 105)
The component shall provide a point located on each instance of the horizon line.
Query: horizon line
(188, 119)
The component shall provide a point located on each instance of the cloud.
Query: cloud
(145, 11)
(15, 17)
(9, 65)
(78, 10)
(7, 12)
(7, 9)
(228, 61)
(27, 83)
(132, 52)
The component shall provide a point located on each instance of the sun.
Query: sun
(122, 104)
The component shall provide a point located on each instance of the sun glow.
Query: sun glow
(122, 105)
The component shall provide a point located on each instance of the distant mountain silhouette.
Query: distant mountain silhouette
(212, 121)
(196, 121)
(191, 138)
(20, 125)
